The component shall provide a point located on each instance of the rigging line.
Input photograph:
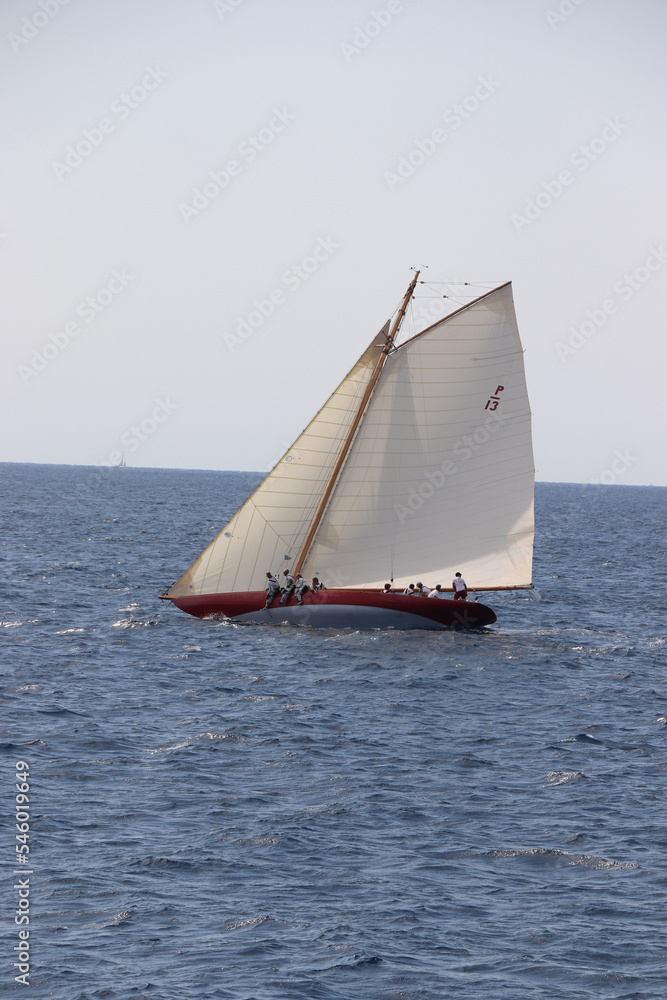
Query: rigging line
(351, 401)
(258, 550)
(458, 300)
(390, 336)
(395, 309)
(463, 308)
(476, 284)
(410, 317)
(267, 524)
(356, 389)
(450, 285)
(319, 484)
(401, 300)
(402, 333)
(431, 284)
(256, 512)
(393, 474)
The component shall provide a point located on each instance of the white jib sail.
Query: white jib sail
(273, 522)
(440, 475)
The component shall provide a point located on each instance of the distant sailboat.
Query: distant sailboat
(122, 464)
(418, 466)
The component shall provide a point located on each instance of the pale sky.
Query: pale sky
(172, 169)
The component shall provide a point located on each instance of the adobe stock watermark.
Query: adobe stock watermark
(455, 117)
(621, 463)
(22, 914)
(31, 26)
(292, 279)
(374, 26)
(436, 307)
(435, 479)
(122, 107)
(136, 435)
(87, 310)
(225, 7)
(247, 151)
(130, 441)
(564, 10)
(581, 158)
(625, 288)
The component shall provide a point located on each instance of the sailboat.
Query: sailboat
(417, 467)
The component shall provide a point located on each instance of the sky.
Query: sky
(211, 206)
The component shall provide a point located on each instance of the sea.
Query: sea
(278, 813)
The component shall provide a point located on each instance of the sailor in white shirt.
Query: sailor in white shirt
(460, 588)
(300, 588)
(287, 587)
(272, 588)
(422, 591)
(438, 592)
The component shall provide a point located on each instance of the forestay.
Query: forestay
(274, 521)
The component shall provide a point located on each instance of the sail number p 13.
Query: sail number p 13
(492, 401)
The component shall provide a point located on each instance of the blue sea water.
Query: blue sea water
(226, 811)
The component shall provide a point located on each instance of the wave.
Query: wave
(565, 857)
(562, 777)
(119, 918)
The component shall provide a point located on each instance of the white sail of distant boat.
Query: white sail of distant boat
(418, 466)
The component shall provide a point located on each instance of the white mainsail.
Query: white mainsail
(438, 478)
(273, 522)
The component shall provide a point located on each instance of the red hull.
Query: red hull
(434, 611)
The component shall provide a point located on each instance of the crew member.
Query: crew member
(460, 588)
(287, 587)
(272, 588)
(316, 585)
(300, 588)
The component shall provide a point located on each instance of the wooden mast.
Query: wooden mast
(328, 490)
